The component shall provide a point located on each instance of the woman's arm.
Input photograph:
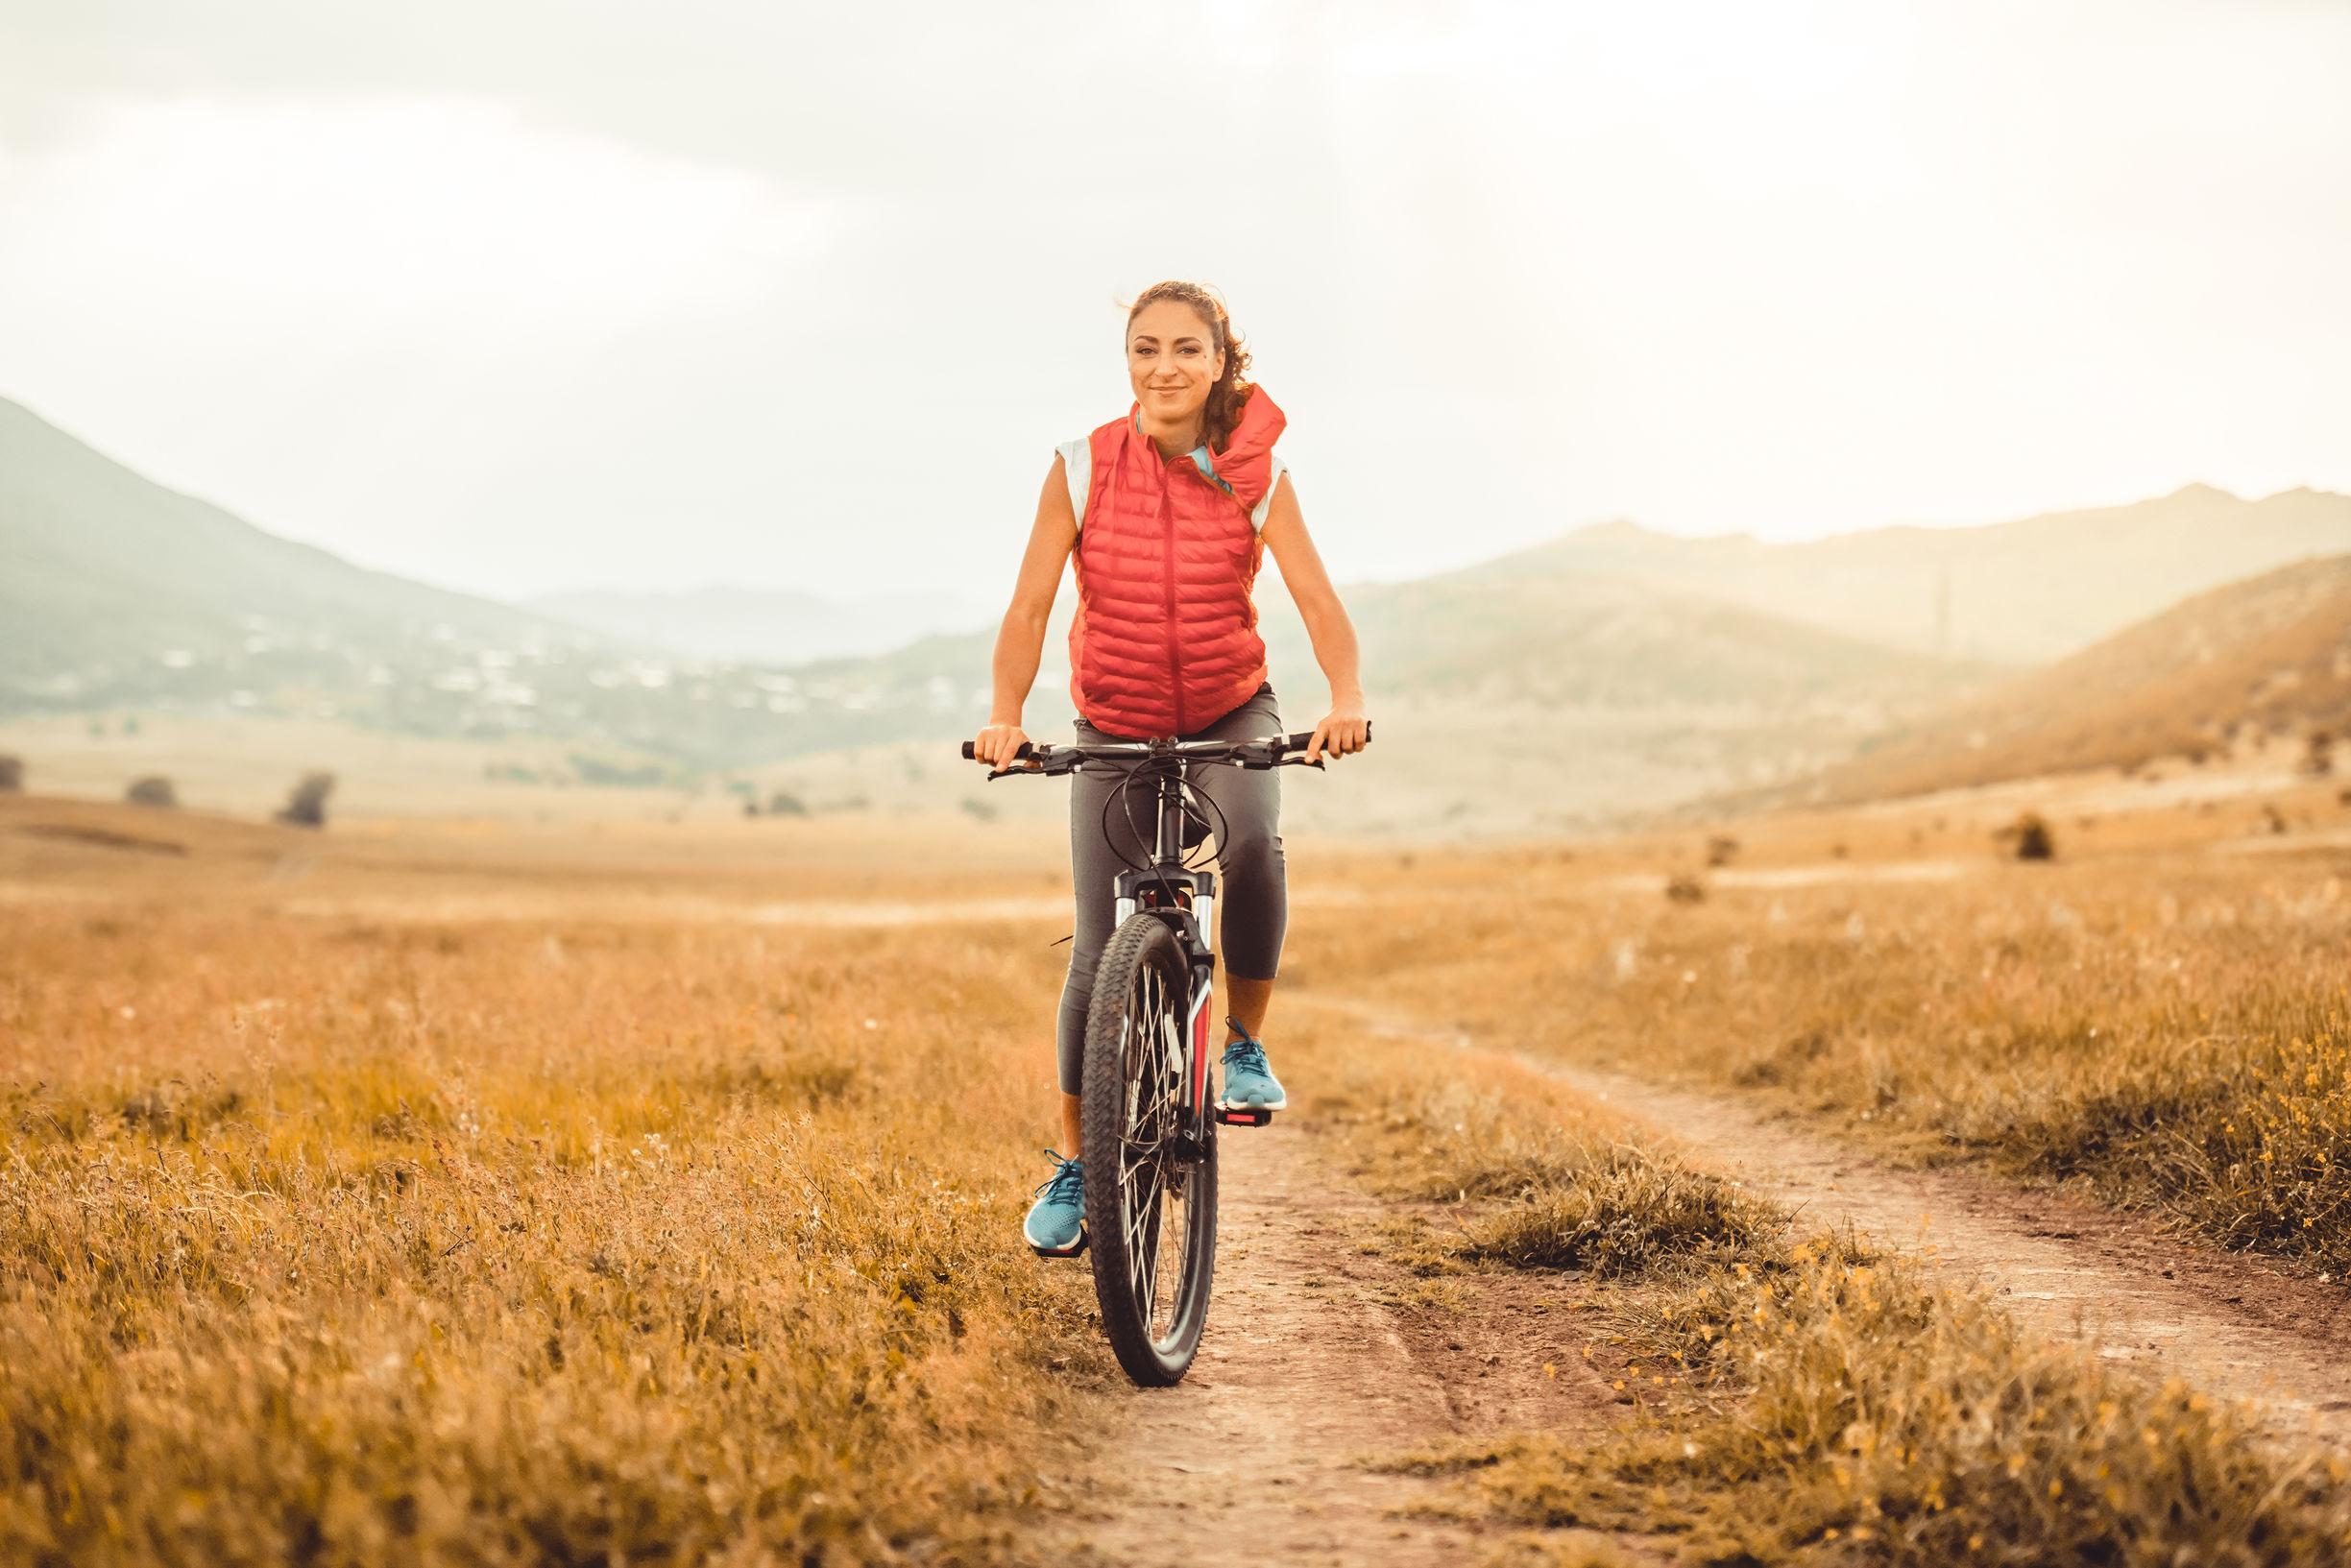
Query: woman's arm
(1344, 728)
(1022, 638)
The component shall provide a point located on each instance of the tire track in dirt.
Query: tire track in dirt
(1303, 1373)
(2233, 1325)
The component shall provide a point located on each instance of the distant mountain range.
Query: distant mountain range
(1624, 669)
(116, 592)
(2260, 662)
(2011, 592)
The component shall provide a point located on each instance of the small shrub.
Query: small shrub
(2273, 818)
(11, 775)
(2319, 756)
(979, 809)
(1721, 850)
(306, 805)
(1685, 887)
(152, 790)
(2029, 837)
(782, 804)
(1628, 1214)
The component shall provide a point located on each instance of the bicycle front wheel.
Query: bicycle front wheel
(1151, 1200)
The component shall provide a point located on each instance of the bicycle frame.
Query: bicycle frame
(1186, 900)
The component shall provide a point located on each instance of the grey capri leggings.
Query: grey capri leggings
(1252, 895)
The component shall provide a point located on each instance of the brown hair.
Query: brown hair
(1231, 389)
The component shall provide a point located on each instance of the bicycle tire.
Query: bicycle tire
(1141, 953)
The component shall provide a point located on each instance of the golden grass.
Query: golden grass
(598, 1224)
(2176, 1028)
(1811, 1402)
(343, 1243)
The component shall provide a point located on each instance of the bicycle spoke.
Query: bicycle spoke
(1150, 1056)
(1146, 1254)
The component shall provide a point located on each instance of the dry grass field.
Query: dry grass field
(1789, 1395)
(606, 1193)
(612, 1236)
(2164, 1010)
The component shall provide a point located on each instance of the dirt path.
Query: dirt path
(2233, 1326)
(1306, 1371)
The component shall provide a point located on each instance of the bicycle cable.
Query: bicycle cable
(1187, 794)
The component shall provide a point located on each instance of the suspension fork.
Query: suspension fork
(1187, 899)
(1200, 950)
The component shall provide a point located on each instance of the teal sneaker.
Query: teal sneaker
(1056, 1226)
(1249, 1084)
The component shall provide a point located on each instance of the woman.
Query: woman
(1170, 509)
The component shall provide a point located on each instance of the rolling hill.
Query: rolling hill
(2012, 593)
(119, 593)
(2263, 659)
(105, 571)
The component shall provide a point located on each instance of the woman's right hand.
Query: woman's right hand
(998, 744)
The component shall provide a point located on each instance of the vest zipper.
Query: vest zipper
(1167, 511)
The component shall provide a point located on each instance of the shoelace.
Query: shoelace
(1246, 1057)
(1067, 1180)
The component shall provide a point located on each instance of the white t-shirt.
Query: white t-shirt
(1077, 463)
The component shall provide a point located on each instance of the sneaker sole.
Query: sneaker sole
(1070, 1252)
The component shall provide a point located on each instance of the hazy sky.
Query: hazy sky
(531, 295)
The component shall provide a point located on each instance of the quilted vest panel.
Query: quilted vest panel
(1165, 641)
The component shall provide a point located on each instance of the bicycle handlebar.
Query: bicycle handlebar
(1268, 751)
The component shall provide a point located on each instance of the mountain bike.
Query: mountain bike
(1148, 1113)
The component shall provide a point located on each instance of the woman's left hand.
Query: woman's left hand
(1342, 730)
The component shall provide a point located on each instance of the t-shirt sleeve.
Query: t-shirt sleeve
(1078, 465)
(1265, 502)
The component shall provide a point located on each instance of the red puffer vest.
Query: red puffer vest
(1165, 641)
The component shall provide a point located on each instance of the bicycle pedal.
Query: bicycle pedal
(1246, 1115)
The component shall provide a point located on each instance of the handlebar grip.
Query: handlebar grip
(1025, 747)
(1299, 743)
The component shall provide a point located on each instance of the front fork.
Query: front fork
(1187, 901)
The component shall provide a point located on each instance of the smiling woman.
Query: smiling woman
(1167, 513)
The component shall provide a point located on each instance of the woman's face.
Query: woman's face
(1172, 361)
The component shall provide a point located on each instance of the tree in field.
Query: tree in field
(306, 805)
